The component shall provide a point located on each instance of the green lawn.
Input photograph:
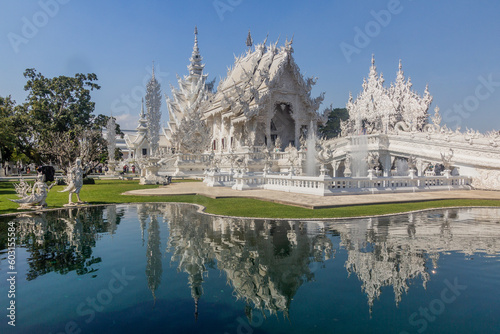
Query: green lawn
(109, 191)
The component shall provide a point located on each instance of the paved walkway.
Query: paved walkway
(312, 201)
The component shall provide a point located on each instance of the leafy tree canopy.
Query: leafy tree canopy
(332, 127)
(13, 131)
(61, 103)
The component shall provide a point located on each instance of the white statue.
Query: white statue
(36, 200)
(75, 183)
(446, 159)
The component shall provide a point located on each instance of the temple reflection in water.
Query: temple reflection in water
(62, 241)
(264, 261)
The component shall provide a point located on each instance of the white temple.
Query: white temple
(263, 97)
(257, 130)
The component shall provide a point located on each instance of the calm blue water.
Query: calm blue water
(165, 268)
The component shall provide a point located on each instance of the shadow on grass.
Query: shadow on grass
(7, 188)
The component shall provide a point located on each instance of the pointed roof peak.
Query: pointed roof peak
(196, 66)
(400, 65)
(142, 119)
(195, 47)
(153, 71)
(249, 41)
(277, 41)
(373, 70)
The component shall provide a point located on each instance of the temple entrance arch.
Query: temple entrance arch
(282, 124)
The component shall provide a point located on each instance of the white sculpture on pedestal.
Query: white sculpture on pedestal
(324, 155)
(111, 139)
(150, 165)
(74, 179)
(35, 200)
(153, 114)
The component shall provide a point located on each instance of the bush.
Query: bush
(88, 180)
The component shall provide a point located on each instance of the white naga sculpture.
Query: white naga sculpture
(39, 191)
(75, 183)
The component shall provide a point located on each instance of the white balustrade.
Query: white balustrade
(327, 186)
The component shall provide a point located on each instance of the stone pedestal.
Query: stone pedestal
(150, 175)
(412, 173)
(212, 179)
(447, 173)
(111, 168)
(149, 172)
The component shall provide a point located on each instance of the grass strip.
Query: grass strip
(109, 192)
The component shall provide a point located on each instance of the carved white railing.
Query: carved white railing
(325, 185)
(218, 179)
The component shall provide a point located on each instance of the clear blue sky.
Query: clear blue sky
(452, 45)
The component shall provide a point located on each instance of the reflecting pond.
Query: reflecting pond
(167, 268)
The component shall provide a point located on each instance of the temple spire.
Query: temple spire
(153, 71)
(142, 115)
(196, 67)
(142, 126)
(249, 41)
(195, 46)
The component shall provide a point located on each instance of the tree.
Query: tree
(13, 130)
(332, 127)
(7, 128)
(64, 149)
(62, 125)
(60, 103)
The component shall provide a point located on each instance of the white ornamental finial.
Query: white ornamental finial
(142, 109)
(195, 48)
(249, 41)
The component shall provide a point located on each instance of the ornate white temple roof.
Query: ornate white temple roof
(253, 75)
(188, 99)
(380, 109)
